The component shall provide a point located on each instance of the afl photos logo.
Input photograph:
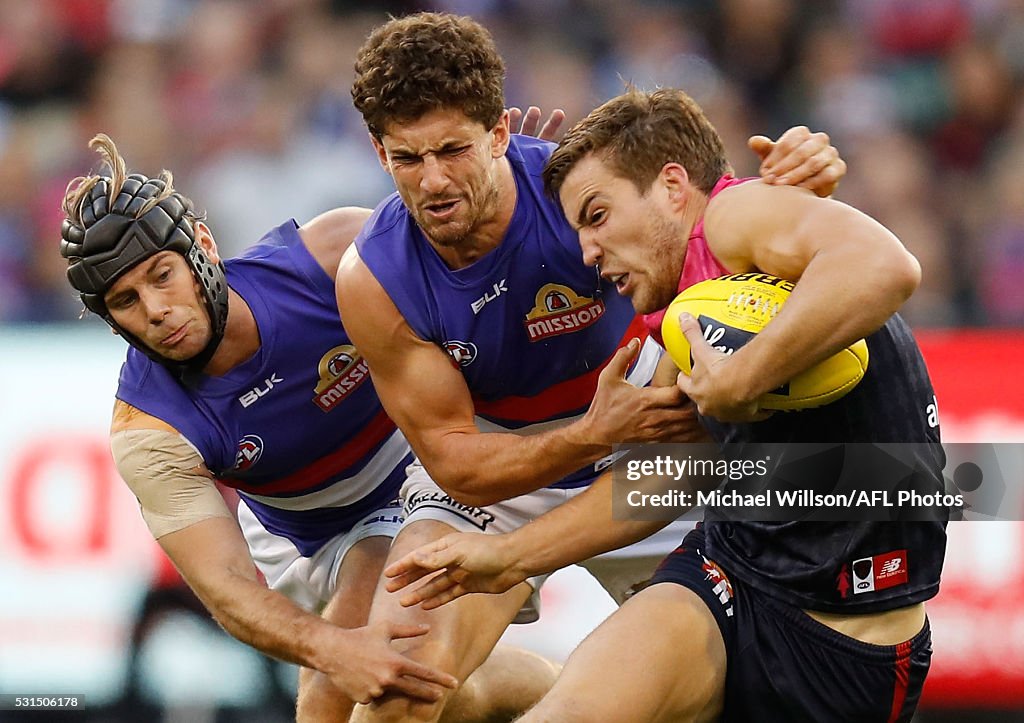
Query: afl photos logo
(558, 310)
(250, 449)
(341, 371)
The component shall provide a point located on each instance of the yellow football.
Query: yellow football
(731, 310)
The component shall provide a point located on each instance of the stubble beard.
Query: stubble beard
(667, 253)
(458, 233)
(447, 235)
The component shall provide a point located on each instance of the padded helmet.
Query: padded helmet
(114, 238)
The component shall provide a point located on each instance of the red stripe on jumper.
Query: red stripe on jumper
(899, 693)
(561, 398)
(379, 429)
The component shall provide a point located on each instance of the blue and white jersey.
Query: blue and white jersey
(297, 429)
(529, 325)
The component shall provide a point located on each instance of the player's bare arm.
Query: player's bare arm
(328, 236)
(852, 275)
(428, 399)
(472, 562)
(205, 544)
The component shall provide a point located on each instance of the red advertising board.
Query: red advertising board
(978, 616)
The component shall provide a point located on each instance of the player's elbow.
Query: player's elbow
(474, 497)
(911, 273)
(904, 274)
(466, 488)
(457, 467)
(894, 272)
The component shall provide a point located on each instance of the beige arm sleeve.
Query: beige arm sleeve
(168, 477)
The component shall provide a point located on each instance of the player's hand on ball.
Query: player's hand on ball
(469, 562)
(709, 384)
(622, 412)
(365, 666)
(800, 158)
(529, 122)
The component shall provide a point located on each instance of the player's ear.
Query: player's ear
(676, 182)
(204, 237)
(500, 135)
(382, 154)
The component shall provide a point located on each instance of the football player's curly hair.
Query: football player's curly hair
(428, 61)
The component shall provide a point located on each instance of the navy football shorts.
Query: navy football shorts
(785, 666)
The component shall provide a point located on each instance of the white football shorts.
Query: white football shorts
(621, 572)
(310, 581)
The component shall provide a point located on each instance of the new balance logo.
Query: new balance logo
(890, 567)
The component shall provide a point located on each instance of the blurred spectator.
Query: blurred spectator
(840, 89)
(1002, 248)
(45, 50)
(249, 103)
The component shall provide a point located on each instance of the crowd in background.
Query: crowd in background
(248, 104)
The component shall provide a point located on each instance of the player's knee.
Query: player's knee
(319, 700)
(509, 683)
(515, 678)
(469, 704)
(395, 707)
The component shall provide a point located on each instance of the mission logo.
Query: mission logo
(558, 310)
(342, 370)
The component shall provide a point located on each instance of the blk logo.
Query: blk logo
(255, 394)
(495, 291)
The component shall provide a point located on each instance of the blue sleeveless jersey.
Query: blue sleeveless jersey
(297, 429)
(528, 325)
